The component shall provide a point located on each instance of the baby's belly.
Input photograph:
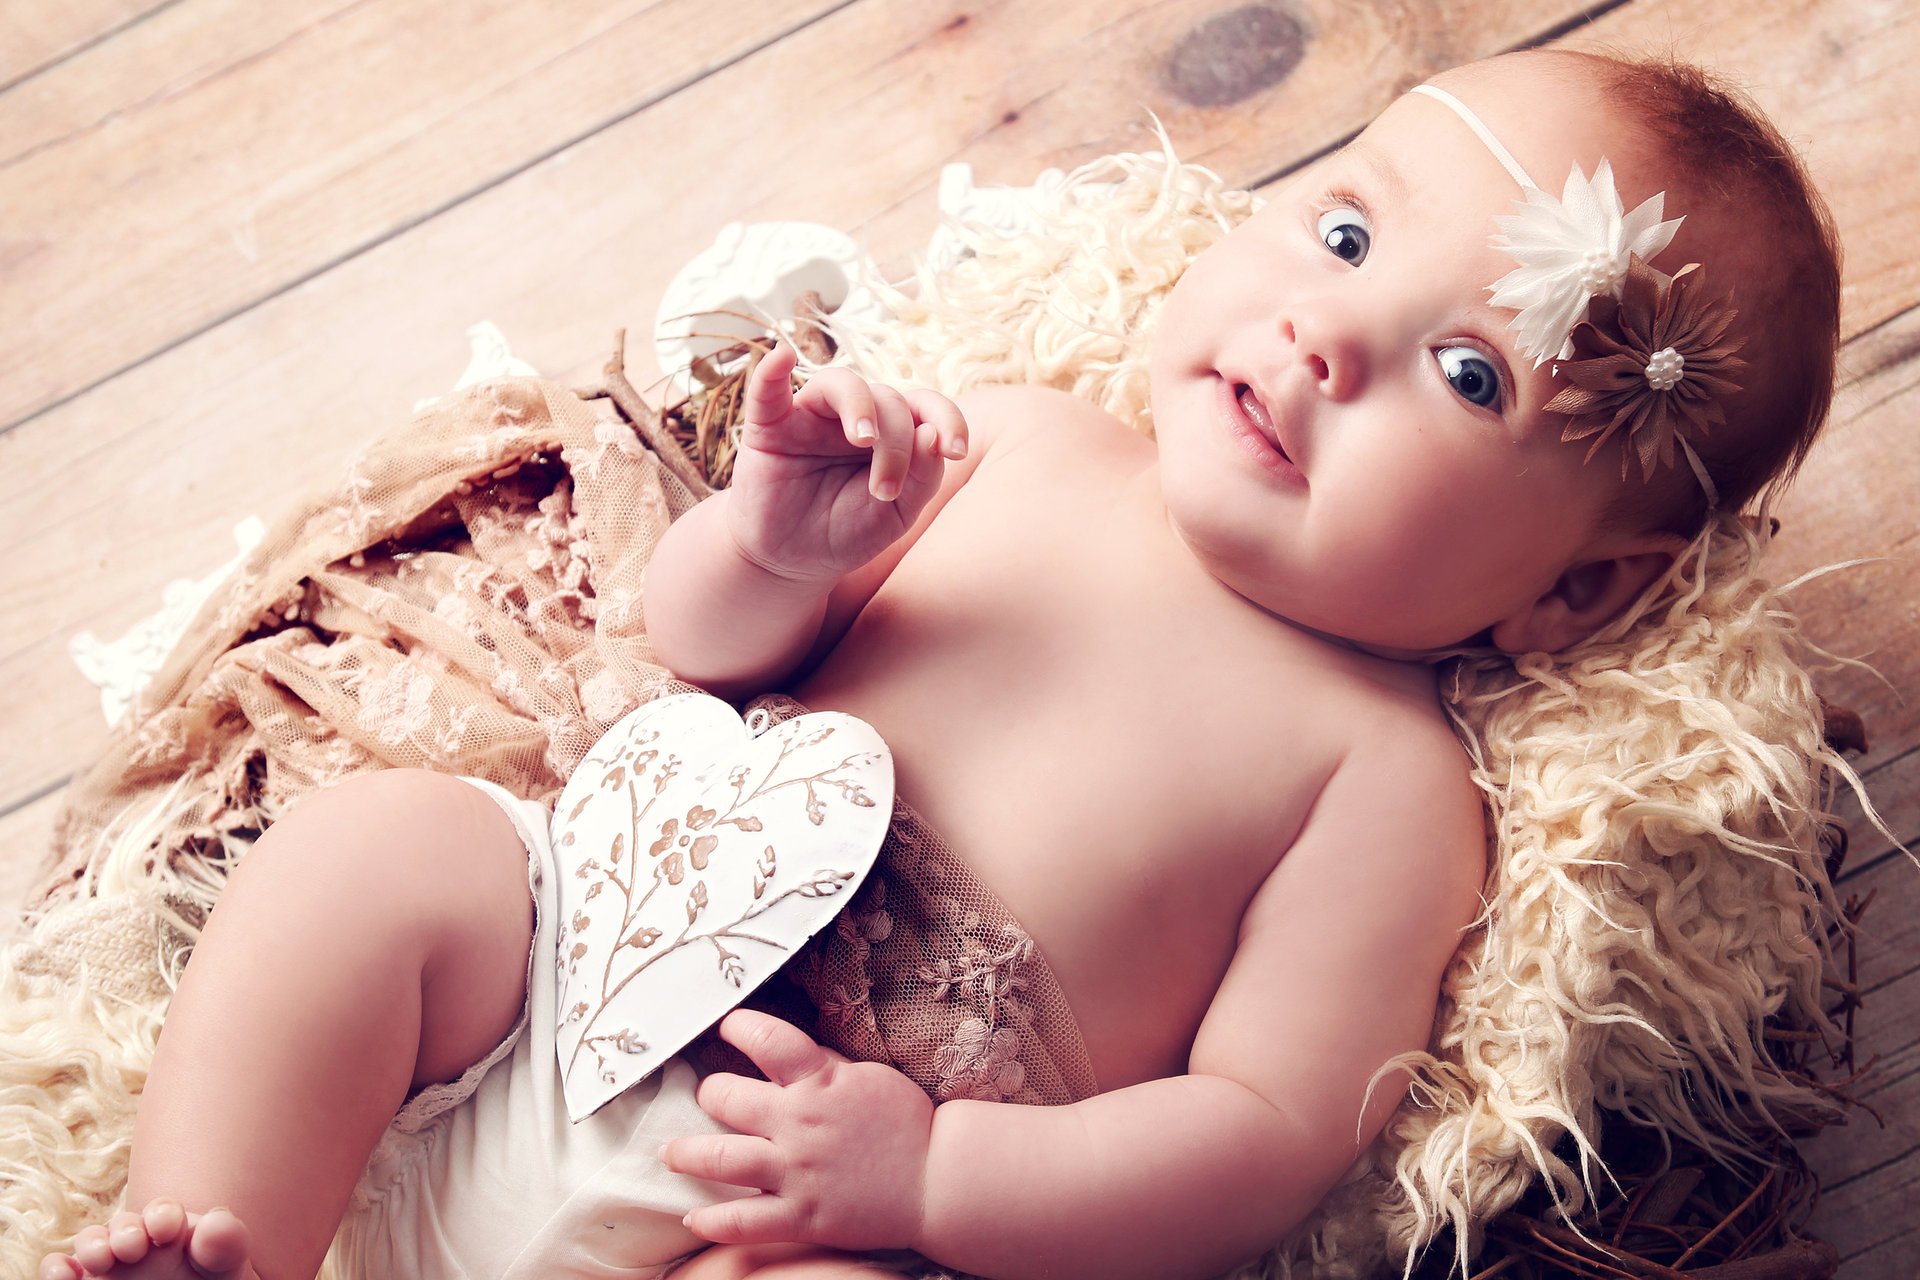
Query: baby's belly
(1126, 855)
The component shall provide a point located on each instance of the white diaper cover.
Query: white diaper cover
(487, 1177)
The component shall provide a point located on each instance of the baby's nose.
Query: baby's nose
(1336, 360)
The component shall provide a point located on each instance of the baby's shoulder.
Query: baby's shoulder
(1406, 780)
(1404, 728)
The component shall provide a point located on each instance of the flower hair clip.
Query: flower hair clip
(1654, 362)
(1571, 251)
(1643, 350)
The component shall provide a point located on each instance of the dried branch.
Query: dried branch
(647, 422)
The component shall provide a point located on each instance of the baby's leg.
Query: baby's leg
(375, 939)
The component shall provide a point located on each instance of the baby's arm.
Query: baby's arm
(830, 487)
(1339, 961)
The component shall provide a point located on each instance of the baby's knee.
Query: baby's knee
(424, 844)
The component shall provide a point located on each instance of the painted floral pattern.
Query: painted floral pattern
(674, 840)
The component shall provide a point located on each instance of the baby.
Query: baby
(1393, 417)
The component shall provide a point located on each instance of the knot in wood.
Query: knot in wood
(1234, 55)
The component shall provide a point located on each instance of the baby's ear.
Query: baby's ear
(1587, 596)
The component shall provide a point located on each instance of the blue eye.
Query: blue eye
(1345, 234)
(1471, 374)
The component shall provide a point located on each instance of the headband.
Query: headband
(1646, 353)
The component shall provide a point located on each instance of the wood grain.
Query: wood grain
(1852, 501)
(306, 136)
(34, 37)
(1871, 1173)
(158, 462)
(25, 834)
(172, 53)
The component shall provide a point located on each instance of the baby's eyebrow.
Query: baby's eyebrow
(1382, 170)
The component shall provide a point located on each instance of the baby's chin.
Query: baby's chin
(1392, 638)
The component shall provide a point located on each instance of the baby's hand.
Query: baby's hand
(827, 479)
(838, 1148)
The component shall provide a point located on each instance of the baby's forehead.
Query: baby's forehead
(1549, 110)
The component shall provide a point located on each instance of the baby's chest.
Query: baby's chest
(1055, 673)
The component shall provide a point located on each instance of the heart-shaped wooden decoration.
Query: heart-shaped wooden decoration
(694, 859)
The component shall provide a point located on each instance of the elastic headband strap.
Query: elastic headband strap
(1500, 153)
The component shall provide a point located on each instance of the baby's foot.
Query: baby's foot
(161, 1242)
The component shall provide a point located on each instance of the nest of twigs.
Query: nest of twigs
(695, 436)
(1671, 1211)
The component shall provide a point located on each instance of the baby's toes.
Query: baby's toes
(165, 1219)
(92, 1251)
(219, 1245)
(127, 1237)
(58, 1266)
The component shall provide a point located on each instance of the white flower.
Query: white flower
(1571, 250)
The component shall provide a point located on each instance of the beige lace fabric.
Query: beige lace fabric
(928, 971)
(466, 598)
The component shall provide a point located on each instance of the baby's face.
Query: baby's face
(1418, 494)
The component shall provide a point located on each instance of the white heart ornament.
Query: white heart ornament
(694, 859)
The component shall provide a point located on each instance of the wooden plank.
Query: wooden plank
(1853, 500)
(38, 33)
(1868, 1171)
(252, 411)
(1894, 788)
(1889, 957)
(1871, 1174)
(176, 47)
(25, 835)
(278, 161)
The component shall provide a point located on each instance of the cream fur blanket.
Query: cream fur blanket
(464, 599)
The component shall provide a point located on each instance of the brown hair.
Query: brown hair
(1723, 153)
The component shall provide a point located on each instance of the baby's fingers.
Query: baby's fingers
(739, 1102)
(944, 416)
(761, 1219)
(783, 1051)
(769, 396)
(843, 394)
(735, 1159)
(893, 452)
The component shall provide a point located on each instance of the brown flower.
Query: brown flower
(1653, 361)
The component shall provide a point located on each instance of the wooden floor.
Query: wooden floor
(237, 239)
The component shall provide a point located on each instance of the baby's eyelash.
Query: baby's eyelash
(1340, 196)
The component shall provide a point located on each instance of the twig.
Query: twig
(647, 422)
(1739, 1209)
(1795, 1260)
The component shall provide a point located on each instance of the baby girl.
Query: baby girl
(1472, 380)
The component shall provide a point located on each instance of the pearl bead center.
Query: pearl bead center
(1665, 369)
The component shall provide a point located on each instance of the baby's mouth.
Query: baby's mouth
(1257, 414)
